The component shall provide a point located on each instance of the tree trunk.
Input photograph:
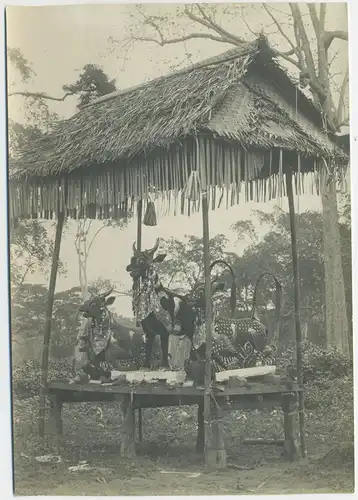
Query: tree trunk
(335, 310)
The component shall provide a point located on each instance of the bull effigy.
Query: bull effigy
(237, 343)
(108, 344)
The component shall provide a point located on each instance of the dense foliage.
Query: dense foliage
(91, 84)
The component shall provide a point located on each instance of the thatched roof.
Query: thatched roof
(239, 101)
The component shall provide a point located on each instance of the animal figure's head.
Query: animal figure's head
(142, 261)
(187, 310)
(96, 305)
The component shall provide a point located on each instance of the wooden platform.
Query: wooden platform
(148, 395)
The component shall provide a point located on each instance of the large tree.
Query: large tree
(272, 254)
(308, 48)
(183, 267)
(91, 84)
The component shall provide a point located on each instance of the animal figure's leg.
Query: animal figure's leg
(151, 327)
(164, 342)
(155, 327)
(148, 349)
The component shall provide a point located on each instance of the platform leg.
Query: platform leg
(128, 428)
(200, 440)
(215, 452)
(140, 425)
(56, 421)
(289, 416)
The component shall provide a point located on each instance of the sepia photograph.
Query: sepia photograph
(180, 248)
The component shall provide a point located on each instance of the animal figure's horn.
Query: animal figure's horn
(105, 294)
(155, 248)
(134, 248)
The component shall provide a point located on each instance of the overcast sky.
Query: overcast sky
(59, 41)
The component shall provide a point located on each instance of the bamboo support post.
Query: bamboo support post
(200, 440)
(128, 428)
(215, 451)
(297, 308)
(140, 425)
(207, 380)
(139, 248)
(212, 430)
(56, 421)
(289, 415)
(47, 329)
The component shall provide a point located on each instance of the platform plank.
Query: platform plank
(166, 376)
(254, 371)
(163, 390)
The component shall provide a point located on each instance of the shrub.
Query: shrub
(318, 364)
(26, 377)
(328, 379)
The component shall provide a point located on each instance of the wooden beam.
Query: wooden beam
(200, 440)
(259, 441)
(139, 243)
(216, 452)
(127, 448)
(56, 421)
(208, 334)
(296, 287)
(140, 425)
(289, 414)
(47, 329)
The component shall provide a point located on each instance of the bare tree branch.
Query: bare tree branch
(246, 23)
(329, 36)
(184, 38)
(286, 56)
(94, 237)
(333, 58)
(314, 18)
(40, 95)
(322, 16)
(296, 13)
(301, 63)
(279, 27)
(342, 95)
(220, 29)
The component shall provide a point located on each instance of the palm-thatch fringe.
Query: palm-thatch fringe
(241, 175)
(236, 119)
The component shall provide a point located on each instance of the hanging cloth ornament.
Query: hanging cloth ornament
(150, 216)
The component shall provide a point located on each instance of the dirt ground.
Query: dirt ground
(166, 476)
(166, 462)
